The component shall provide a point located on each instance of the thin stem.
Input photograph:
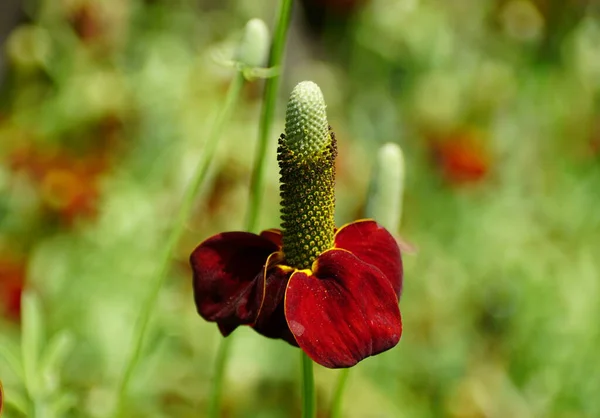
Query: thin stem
(217, 386)
(256, 182)
(267, 113)
(309, 403)
(178, 227)
(338, 395)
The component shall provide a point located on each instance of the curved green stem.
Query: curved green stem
(256, 182)
(309, 402)
(338, 395)
(178, 227)
(267, 113)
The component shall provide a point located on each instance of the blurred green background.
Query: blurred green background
(104, 111)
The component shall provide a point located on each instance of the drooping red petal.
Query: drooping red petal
(228, 278)
(374, 245)
(344, 312)
(274, 235)
(271, 319)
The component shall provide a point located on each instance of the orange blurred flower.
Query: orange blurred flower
(68, 185)
(462, 157)
(87, 22)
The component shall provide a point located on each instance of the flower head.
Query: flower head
(332, 292)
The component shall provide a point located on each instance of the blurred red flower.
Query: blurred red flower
(68, 185)
(87, 22)
(461, 157)
(12, 283)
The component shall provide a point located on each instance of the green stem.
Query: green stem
(338, 395)
(185, 210)
(267, 113)
(217, 386)
(256, 182)
(309, 403)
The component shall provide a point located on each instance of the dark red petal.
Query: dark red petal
(344, 312)
(373, 244)
(227, 327)
(228, 278)
(274, 235)
(271, 319)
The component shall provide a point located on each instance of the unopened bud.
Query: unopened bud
(384, 203)
(253, 49)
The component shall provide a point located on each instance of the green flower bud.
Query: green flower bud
(384, 203)
(306, 156)
(29, 46)
(253, 49)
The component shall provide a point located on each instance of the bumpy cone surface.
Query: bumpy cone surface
(306, 156)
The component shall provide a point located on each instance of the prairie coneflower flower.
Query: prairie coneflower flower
(332, 292)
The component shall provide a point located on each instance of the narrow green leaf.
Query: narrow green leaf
(52, 359)
(252, 73)
(32, 330)
(62, 405)
(9, 352)
(57, 351)
(16, 400)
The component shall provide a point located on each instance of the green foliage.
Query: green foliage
(39, 366)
